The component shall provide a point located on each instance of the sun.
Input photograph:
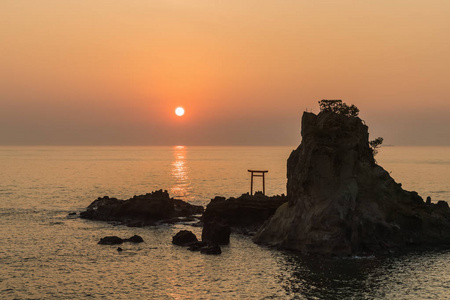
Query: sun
(179, 111)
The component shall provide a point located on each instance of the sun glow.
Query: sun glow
(179, 111)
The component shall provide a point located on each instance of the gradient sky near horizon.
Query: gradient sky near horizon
(112, 72)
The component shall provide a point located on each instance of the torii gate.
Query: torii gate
(259, 173)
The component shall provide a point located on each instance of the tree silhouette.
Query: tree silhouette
(338, 107)
(375, 144)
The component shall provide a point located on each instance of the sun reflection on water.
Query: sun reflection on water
(181, 187)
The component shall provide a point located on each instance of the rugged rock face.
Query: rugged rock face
(245, 212)
(140, 210)
(216, 232)
(341, 202)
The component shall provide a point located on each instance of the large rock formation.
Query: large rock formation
(341, 202)
(140, 210)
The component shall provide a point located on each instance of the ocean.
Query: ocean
(47, 254)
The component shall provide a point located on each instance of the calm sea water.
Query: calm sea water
(45, 254)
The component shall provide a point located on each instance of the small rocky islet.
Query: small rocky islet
(143, 210)
(339, 201)
(244, 214)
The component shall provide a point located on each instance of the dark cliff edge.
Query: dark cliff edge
(341, 202)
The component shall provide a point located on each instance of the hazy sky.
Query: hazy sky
(111, 72)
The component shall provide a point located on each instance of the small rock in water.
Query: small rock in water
(110, 240)
(119, 249)
(184, 237)
(135, 239)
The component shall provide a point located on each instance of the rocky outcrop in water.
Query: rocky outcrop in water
(110, 240)
(189, 239)
(140, 210)
(341, 202)
(245, 213)
(136, 239)
(216, 231)
(115, 240)
(184, 237)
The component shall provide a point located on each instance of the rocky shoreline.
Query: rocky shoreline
(244, 214)
(339, 200)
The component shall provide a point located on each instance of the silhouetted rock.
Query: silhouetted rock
(212, 250)
(110, 240)
(134, 239)
(119, 249)
(141, 210)
(216, 231)
(183, 238)
(184, 209)
(342, 202)
(114, 240)
(246, 211)
(196, 246)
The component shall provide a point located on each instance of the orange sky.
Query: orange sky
(112, 72)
